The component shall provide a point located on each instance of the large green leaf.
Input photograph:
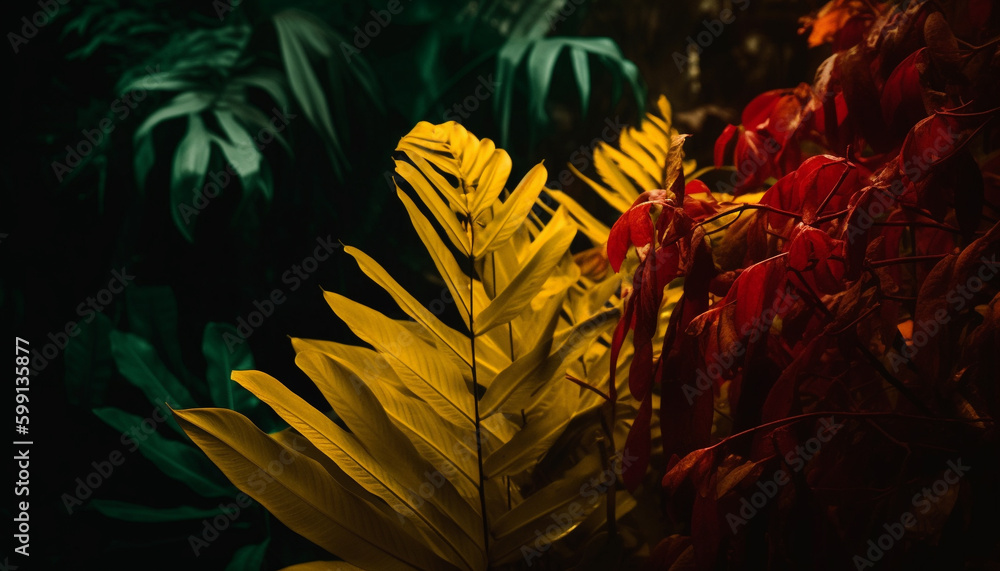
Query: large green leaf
(89, 364)
(222, 361)
(541, 56)
(183, 105)
(188, 176)
(152, 315)
(298, 35)
(138, 513)
(138, 361)
(249, 557)
(176, 459)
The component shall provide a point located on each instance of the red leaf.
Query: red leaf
(818, 258)
(820, 179)
(902, 101)
(626, 323)
(724, 145)
(699, 203)
(937, 138)
(955, 284)
(637, 446)
(634, 227)
(693, 466)
(646, 295)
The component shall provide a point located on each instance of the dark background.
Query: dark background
(64, 239)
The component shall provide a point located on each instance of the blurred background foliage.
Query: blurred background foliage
(123, 115)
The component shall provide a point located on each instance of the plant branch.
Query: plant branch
(588, 386)
(475, 395)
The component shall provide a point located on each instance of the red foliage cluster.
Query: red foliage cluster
(852, 315)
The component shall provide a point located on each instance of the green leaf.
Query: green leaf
(89, 364)
(541, 63)
(138, 362)
(222, 361)
(190, 167)
(180, 461)
(184, 104)
(135, 512)
(296, 30)
(508, 60)
(249, 557)
(271, 81)
(544, 54)
(238, 147)
(581, 69)
(152, 315)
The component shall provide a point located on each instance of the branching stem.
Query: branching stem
(475, 394)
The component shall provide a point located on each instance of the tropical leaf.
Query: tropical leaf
(249, 557)
(138, 361)
(302, 496)
(302, 38)
(133, 512)
(175, 459)
(540, 56)
(89, 363)
(444, 425)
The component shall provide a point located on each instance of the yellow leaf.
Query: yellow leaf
(508, 304)
(379, 479)
(543, 425)
(426, 373)
(490, 184)
(510, 215)
(301, 494)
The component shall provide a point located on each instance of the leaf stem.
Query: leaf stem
(588, 386)
(836, 413)
(906, 260)
(475, 394)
